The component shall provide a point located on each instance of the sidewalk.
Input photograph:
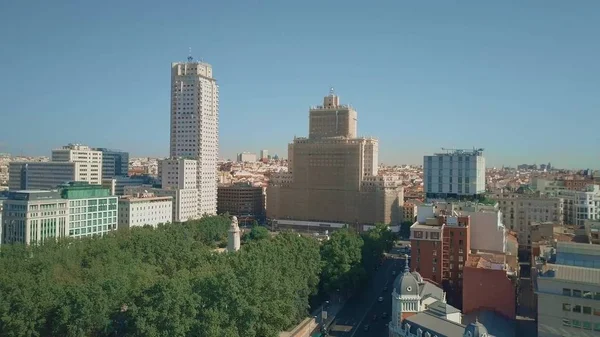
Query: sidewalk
(332, 309)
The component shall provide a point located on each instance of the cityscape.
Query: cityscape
(324, 239)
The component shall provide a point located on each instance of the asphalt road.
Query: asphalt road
(365, 309)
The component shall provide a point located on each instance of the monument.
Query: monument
(233, 240)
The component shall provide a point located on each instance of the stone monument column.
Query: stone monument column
(233, 239)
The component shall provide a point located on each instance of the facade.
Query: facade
(419, 309)
(179, 179)
(246, 157)
(567, 284)
(184, 201)
(114, 163)
(41, 175)
(241, 200)
(454, 174)
(118, 184)
(145, 209)
(489, 283)
(332, 175)
(409, 211)
(264, 154)
(195, 126)
(92, 210)
(440, 246)
(90, 161)
(581, 205)
(34, 216)
(520, 210)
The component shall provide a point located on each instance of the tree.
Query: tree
(257, 233)
(167, 281)
(377, 241)
(405, 229)
(341, 256)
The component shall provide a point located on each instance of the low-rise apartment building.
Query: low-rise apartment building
(520, 210)
(145, 209)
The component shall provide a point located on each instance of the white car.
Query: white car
(380, 299)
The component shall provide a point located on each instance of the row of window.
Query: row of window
(575, 323)
(581, 309)
(582, 294)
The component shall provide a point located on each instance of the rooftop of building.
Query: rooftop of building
(83, 190)
(569, 273)
(145, 197)
(32, 195)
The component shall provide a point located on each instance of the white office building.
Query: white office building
(145, 209)
(90, 161)
(264, 154)
(194, 125)
(246, 157)
(581, 205)
(454, 174)
(567, 284)
(34, 217)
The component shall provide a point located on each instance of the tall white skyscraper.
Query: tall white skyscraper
(195, 125)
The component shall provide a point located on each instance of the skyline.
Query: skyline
(495, 76)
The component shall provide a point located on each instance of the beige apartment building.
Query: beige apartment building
(520, 210)
(332, 174)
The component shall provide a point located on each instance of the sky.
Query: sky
(517, 78)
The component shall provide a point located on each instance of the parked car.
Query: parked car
(384, 315)
(380, 299)
(366, 327)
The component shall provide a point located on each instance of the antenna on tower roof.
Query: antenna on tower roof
(190, 58)
(331, 91)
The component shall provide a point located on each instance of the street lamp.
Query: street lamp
(322, 314)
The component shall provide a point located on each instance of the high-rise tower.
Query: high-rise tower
(195, 125)
(333, 174)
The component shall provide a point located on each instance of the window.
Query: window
(576, 323)
(596, 312)
(460, 258)
(566, 307)
(576, 293)
(566, 322)
(588, 294)
(577, 308)
(587, 310)
(596, 326)
(587, 325)
(566, 292)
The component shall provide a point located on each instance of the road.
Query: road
(365, 309)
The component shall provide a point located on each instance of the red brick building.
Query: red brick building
(440, 246)
(489, 284)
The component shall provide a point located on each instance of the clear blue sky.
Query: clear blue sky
(518, 78)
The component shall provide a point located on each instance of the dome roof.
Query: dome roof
(407, 283)
(476, 329)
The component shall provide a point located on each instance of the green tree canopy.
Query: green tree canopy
(167, 281)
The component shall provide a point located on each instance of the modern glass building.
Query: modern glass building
(92, 210)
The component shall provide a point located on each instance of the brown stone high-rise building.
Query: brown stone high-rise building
(332, 174)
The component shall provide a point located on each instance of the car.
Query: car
(385, 288)
(366, 327)
(375, 317)
(384, 315)
(380, 299)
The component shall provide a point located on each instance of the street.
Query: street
(363, 309)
